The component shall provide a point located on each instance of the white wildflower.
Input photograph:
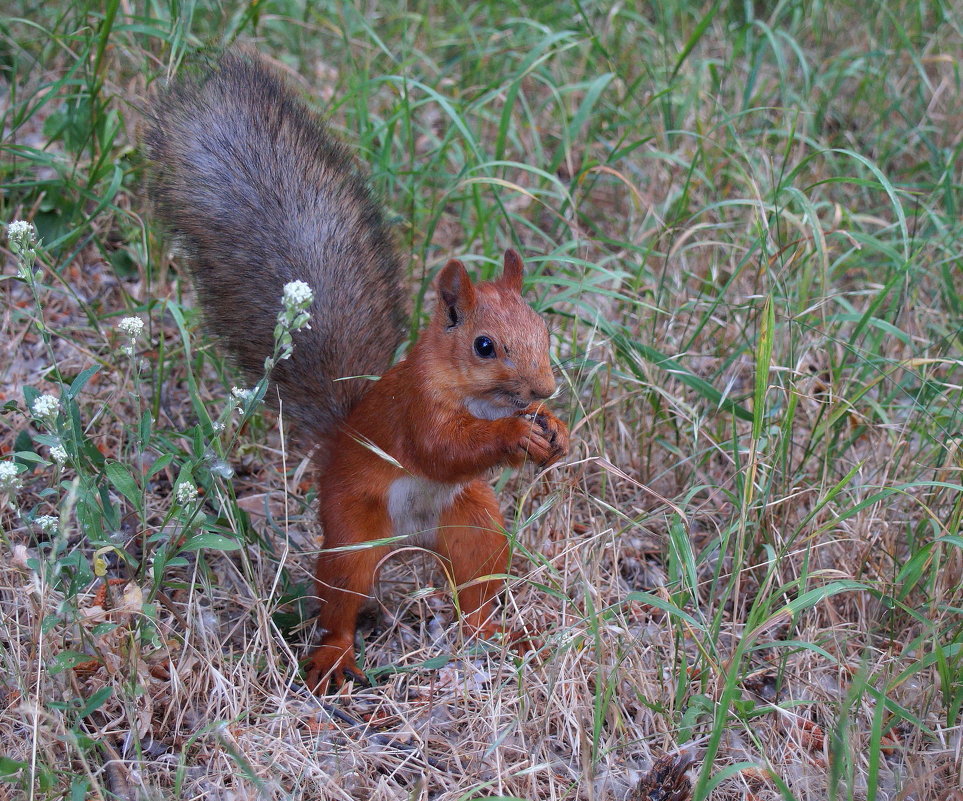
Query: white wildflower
(240, 399)
(59, 454)
(19, 229)
(22, 236)
(186, 492)
(45, 406)
(48, 523)
(9, 477)
(297, 296)
(133, 327)
(217, 426)
(293, 317)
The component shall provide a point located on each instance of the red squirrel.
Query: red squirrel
(258, 193)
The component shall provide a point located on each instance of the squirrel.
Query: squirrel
(258, 193)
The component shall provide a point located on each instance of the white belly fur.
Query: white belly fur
(414, 505)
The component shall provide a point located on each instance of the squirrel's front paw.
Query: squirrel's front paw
(556, 432)
(331, 664)
(546, 439)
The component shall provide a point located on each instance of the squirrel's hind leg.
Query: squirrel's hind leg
(472, 546)
(343, 581)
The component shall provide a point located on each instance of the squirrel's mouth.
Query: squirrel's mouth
(510, 400)
(495, 405)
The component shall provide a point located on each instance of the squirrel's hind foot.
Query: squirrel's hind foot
(330, 665)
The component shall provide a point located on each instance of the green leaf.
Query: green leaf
(160, 463)
(120, 476)
(763, 362)
(146, 423)
(29, 456)
(96, 701)
(79, 787)
(805, 601)
(10, 767)
(78, 383)
(665, 606)
(66, 660)
(693, 40)
(214, 542)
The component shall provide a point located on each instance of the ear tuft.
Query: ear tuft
(456, 293)
(512, 273)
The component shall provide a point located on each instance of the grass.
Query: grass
(743, 224)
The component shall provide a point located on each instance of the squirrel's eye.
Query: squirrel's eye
(485, 348)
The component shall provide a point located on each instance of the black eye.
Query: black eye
(485, 348)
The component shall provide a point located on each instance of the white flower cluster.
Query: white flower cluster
(45, 406)
(59, 454)
(186, 492)
(294, 316)
(131, 327)
(9, 477)
(297, 296)
(22, 236)
(241, 399)
(48, 523)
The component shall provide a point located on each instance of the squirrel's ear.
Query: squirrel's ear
(456, 293)
(512, 273)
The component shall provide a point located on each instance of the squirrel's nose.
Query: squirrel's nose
(541, 390)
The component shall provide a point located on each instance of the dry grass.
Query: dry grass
(752, 557)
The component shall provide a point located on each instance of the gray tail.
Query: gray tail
(257, 194)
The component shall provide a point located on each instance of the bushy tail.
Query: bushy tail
(258, 194)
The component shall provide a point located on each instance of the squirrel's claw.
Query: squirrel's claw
(326, 667)
(547, 441)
